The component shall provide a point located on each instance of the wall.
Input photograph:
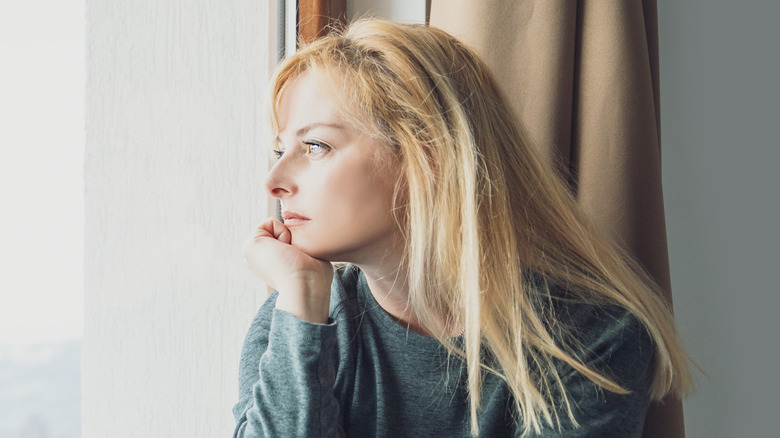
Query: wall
(400, 11)
(719, 117)
(172, 171)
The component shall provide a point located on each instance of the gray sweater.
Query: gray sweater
(364, 375)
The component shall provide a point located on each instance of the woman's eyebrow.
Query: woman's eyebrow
(300, 132)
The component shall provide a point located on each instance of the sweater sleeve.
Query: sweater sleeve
(290, 392)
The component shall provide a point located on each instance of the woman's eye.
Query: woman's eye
(314, 147)
(278, 153)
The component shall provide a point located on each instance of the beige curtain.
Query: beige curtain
(583, 78)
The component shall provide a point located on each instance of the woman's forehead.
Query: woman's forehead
(320, 96)
(302, 105)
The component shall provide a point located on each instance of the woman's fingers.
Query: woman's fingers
(281, 233)
(271, 227)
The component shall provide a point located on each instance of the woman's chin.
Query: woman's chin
(313, 250)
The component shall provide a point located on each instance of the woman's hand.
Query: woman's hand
(303, 282)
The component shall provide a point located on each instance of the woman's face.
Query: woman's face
(335, 196)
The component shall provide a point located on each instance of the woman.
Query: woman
(474, 297)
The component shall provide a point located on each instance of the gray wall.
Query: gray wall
(719, 119)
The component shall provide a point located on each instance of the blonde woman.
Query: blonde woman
(471, 297)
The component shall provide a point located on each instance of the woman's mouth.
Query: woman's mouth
(292, 219)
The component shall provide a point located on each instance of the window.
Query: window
(41, 193)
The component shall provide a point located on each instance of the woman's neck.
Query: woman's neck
(390, 287)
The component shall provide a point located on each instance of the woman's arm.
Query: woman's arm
(292, 390)
(288, 373)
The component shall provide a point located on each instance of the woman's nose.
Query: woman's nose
(278, 182)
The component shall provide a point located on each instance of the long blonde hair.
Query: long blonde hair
(479, 209)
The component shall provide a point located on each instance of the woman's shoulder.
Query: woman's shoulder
(607, 338)
(556, 302)
(596, 331)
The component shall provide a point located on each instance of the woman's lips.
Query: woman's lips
(293, 219)
(294, 222)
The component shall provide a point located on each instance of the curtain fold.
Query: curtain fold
(583, 79)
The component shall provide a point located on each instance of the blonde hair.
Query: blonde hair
(479, 209)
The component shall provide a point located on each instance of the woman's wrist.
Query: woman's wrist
(306, 299)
